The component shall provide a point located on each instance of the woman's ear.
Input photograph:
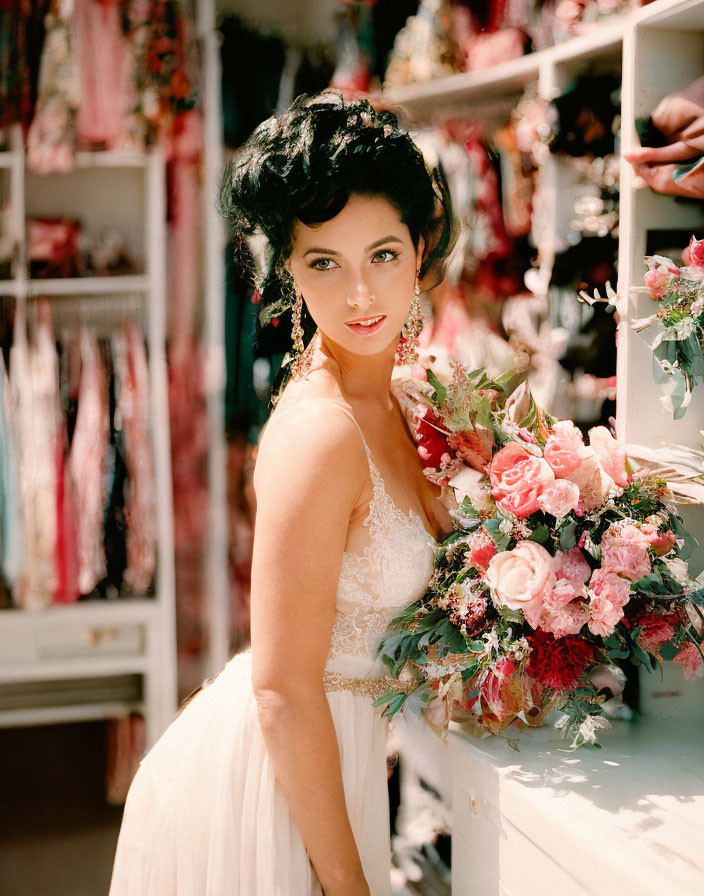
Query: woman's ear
(420, 253)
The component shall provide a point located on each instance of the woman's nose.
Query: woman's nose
(360, 296)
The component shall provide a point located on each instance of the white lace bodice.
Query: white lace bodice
(390, 573)
(376, 585)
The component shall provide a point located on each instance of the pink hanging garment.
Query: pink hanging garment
(34, 387)
(87, 463)
(140, 497)
(184, 212)
(189, 445)
(66, 548)
(103, 58)
(51, 136)
(187, 409)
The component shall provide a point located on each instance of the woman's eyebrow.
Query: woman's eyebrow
(386, 239)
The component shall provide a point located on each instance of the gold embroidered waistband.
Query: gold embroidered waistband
(365, 687)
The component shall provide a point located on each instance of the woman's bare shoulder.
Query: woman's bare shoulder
(313, 439)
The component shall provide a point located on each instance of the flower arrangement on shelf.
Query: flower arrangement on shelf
(564, 560)
(679, 347)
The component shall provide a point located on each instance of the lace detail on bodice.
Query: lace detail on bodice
(391, 573)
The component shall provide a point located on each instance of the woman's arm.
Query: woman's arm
(310, 473)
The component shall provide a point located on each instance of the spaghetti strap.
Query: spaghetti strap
(338, 403)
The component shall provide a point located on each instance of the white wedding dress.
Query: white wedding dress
(205, 815)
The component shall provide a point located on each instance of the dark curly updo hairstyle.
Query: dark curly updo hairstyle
(304, 165)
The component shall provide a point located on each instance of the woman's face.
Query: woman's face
(356, 273)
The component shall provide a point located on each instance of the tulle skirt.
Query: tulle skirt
(205, 815)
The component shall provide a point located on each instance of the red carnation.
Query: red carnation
(656, 629)
(432, 444)
(558, 662)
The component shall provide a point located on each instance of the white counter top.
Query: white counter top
(624, 819)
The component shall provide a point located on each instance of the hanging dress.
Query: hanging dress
(205, 815)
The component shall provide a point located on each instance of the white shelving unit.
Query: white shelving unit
(657, 49)
(125, 646)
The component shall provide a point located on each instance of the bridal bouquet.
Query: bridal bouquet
(564, 559)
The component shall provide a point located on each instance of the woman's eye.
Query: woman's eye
(385, 255)
(323, 264)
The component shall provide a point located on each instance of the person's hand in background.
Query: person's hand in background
(677, 168)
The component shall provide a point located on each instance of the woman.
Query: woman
(272, 780)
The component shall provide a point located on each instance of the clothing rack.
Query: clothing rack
(48, 651)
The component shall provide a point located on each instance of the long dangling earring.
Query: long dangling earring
(407, 351)
(300, 365)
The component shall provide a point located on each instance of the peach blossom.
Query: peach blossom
(611, 454)
(520, 579)
(518, 479)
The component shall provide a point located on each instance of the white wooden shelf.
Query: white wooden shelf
(75, 286)
(82, 668)
(493, 83)
(53, 715)
(497, 82)
(111, 159)
(86, 612)
(7, 159)
(9, 287)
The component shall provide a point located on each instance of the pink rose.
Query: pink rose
(609, 595)
(611, 454)
(573, 567)
(565, 609)
(609, 584)
(624, 533)
(563, 449)
(594, 484)
(627, 559)
(660, 542)
(482, 549)
(603, 616)
(693, 255)
(559, 498)
(521, 578)
(656, 280)
(518, 479)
